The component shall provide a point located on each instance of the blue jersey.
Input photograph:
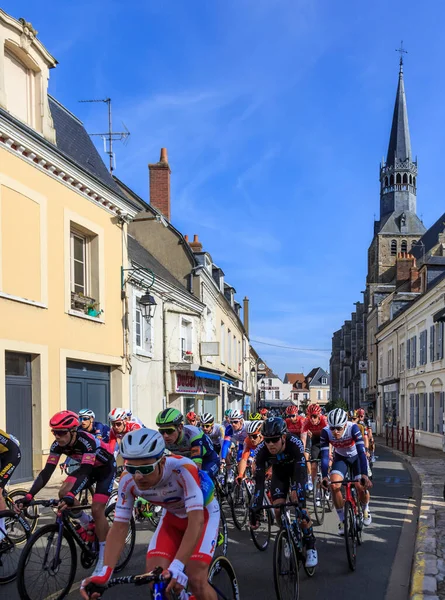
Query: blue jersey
(349, 445)
(99, 430)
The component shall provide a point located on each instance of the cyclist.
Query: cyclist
(264, 412)
(192, 418)
(119, 427)
(252, 441)
(133, 419)
(236, 432)
(312, 427)
(294, 422)
(349, 451)
(227, 414)
(10, 457)
(285, 453)
(363, 420)
(89, 424)
(97, 466)
(186, 534)
(187, 440)
(213, 430)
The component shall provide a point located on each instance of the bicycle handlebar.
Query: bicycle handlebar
(144, 579)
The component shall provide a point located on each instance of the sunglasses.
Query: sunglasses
(167, 431)
(142, 469)
(339, 428)
(254, 436)
(272, 440)
(235, 422)
(117, 423)
(85, 418)
(314, 416)
(59, 432)
(207, 426)
(293, 416)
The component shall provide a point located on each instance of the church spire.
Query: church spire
(399, 148)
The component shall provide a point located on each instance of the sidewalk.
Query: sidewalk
(428, 572)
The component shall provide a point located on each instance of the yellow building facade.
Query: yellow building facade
(63, 225)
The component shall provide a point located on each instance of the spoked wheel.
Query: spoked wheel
(45, 569)
(129, 540)
(32, 512)
(155, 514)
(12, 543)
(222, 541)
(85, 497)
(240, 504)
(261, 536)
(285, 568)
(222, 578)
(350, 536)
(319, 501)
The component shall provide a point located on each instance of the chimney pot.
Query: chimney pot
(195, 239)
(186, 237)
(164, 157)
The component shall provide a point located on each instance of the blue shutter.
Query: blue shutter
(431, 413)
(424, 424)
(432, 343)
(411, 410)
(414, 350)
(440, 341)
(408, 354)
(416, 413)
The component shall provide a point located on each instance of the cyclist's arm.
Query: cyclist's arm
(360, 445)
(239, 452)
(227, 440)
(45, 474)
(299, 475)
(197, 449)
(260, 475)
(243, 462)
(303, 434)
(324, 451)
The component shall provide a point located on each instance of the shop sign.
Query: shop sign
(392, 387)
(187, 383)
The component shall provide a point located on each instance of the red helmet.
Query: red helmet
(65, 419)
(191, 416)
(313, 409)
(263, 411)
(360, 413)
(292, 410)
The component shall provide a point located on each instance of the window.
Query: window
(143, 332)
(304, 396)
(390, 363)
(393, 247)
(86, 266)
(235, 358)
(431, 413)
(438, 341)
(229, 348)
(270, 382)
(79, 268)
(277, 395)
(319, 395)
(324, 381)
(398, 178)
(20, 88)
(262, 395)
(411, 353)
(402, 357)
(423, 354)
(222, 344)
(186, 337)
(404, 246)
(405, 178)
(239, 357)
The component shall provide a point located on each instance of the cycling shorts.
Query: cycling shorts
(280, 482)
(8, 462)
(103, 477)
(340, 466)
(315, 451)
(170, 531)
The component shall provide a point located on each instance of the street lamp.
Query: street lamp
(148, 305)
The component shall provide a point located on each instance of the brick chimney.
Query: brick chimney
(404, 263)
(196, 245)
(246, 314)
(160, 184)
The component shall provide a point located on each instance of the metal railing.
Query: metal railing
(401, 438)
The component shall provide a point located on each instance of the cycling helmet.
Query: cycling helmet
(236, 415)
(191, 416)
(273, 426)
(65, 419)
(169, 416)
(337, 417)
(86, 412)
(129, 414)
(228, 412)
(352, 414)
(360, 413)
(263, 411)
(313, 409)
(255, 417)
(142, 443)
(253, 426)
(117, 414)
(291, 410)
(207, 419)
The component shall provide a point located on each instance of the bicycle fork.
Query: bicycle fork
(53, 565)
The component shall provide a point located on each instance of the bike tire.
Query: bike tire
(221, 568)
(239, 505)
(9, 549)
(28, 589)
(222, 541)
(85, 497)
(261, 542)
(129, 541)
(350, 536)
(320, 495)
(155, 515)
(282, 547)
(32, 512)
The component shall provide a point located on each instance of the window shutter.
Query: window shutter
(431, 413)
(440, 341)
(411, 410)
(416, 413)
(440, 415)
(432, 343)
(414, 352)
(408, 354)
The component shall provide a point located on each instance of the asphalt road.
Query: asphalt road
(392, 509)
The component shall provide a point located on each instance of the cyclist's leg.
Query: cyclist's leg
(8, 462)
(197, 567)
(279, 486)
(315, 454)
(104, 478)
(338, 473)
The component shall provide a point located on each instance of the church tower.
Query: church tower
(399, 227)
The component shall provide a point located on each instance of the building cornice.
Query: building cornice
(52, 163)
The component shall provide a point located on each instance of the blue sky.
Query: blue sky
(275, 114)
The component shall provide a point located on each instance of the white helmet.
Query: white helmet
(87, 412)
(236, 414)
(253, 426)
(142, 443)
(117, 414)
(337, 417)
(206, 419)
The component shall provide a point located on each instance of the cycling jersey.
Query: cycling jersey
(349, 446)
(295, 426)
(91, 453)
(129, 426)
(236, 437)
(315, 428)
(193, 443)
(216, 435)
(7, 441)
(363, 429)
(10, 457)
(99, 430)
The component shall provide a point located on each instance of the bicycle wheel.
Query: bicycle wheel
(350, 536)
(222, 578)
(239, 505)
(285, 568)
(85, 497)
(319, 501)
(11, 545)
(32, 515)
(155, 514)
(261, 536)
(222, 541)
(129, 540)
(45, 569)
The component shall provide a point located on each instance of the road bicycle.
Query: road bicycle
(289, 553)
(261, 535)
(221, 577)
(12, 540)
(321, 496)
(48, 563)
(11, 496)
(353, 522)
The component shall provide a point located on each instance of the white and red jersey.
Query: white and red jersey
(129, 426)
(179, 491)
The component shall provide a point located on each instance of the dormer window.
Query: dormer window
(20, 86)
(208, 264)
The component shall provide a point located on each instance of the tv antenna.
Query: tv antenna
(110, 136)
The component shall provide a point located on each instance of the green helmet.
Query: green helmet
(227, 412)
(169, 416)
(255, 417)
